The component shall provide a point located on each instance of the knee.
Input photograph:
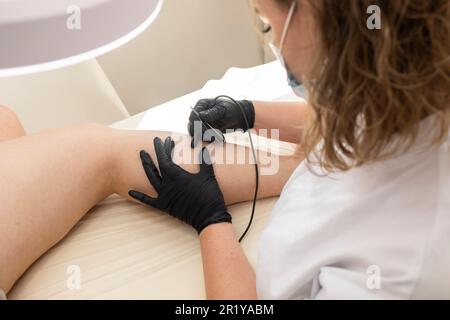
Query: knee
(10, 125)
(8, 116)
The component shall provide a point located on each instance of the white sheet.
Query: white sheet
(266, 82)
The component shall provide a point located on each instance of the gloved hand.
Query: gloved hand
(195, 199)
(221, 114)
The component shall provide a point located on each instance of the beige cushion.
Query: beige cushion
(127, 251)
(2, 295)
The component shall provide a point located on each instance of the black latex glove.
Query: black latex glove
(195, 199)
(221, 114)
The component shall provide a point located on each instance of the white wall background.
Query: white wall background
(190, 42)
(68, 96)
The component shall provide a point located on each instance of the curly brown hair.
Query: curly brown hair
(372, 85)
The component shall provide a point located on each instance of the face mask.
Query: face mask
(296, 86)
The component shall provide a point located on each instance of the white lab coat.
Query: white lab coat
(380, 231)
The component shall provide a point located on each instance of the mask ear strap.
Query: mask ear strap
(288, 22)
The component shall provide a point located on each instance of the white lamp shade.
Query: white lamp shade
(47, 34)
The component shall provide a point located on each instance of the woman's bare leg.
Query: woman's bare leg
(236, 178)
(50, 180)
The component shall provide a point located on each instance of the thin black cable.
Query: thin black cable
(254, 159)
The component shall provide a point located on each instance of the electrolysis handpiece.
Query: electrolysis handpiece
(218, 132)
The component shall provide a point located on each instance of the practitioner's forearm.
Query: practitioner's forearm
(227, 271)
(288, 117)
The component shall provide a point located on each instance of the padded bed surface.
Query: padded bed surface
(127, 251)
